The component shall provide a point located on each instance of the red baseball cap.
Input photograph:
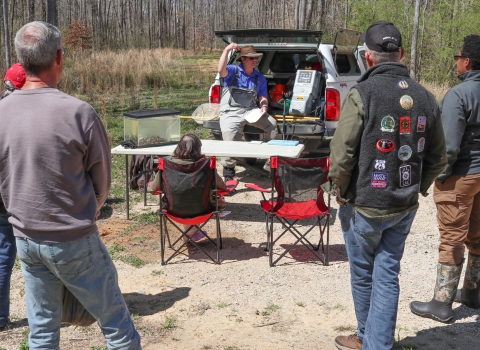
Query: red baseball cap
(16, 74)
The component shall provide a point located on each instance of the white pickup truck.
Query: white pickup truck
(307, 81)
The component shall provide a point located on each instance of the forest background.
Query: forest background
(432, 29)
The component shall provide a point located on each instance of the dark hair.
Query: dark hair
(189, 147)
(471, 49)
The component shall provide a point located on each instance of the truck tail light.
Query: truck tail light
(215, 96)
(332, 110)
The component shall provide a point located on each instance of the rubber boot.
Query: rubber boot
(440, 307)
(469, 295)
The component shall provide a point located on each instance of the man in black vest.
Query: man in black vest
(457, 192)
(388, 147)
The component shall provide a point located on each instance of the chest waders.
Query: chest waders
(234, 104)
(237, 99)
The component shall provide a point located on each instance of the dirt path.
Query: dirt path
(245, 304)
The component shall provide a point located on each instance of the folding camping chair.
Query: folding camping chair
(298, 197)
(185, 198)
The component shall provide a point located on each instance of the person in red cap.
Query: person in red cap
(14, 79)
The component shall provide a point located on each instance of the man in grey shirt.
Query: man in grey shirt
(54, 177)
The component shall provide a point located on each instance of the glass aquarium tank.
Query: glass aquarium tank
(151, 128)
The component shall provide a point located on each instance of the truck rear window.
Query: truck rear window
(290, 62)
(346, 64)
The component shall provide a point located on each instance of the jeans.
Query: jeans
(8, 251)
(375, 247)
(87, 270)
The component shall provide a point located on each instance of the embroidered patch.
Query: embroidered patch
(404, 153)
(421, 144)
(379, 180)
(385, 145)
(388, 123)
(379, 164)
(405, 175)
(402, 84)
(406, 102)
(404, 125)
(421, 124)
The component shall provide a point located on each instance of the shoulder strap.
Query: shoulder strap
(234, 83)
(235, 80)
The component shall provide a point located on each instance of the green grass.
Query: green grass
(24, 343)
(270, 308)
(17, 265)
(133, 260)
(300, 303)
(115, 249)
(221, 305)
(158, 272)
(146, 218)
(135, 318)
(184, 99)
(169, 322)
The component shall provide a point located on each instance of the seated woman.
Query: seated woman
(188, 151)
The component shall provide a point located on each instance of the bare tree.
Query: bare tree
(7, 33)
(413, 62)
(52, 15)
(31, 10)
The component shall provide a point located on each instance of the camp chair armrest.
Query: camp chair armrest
(258, 188)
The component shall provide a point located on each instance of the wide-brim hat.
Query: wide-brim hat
(249, 51)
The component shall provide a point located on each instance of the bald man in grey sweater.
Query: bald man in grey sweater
(54, 177)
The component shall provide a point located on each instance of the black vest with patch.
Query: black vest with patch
(398, 124)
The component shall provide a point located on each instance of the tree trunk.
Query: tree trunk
(31, 10)
(7, 33)
(52, 15)
(413, 62)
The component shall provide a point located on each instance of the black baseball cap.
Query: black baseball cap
(382, 36)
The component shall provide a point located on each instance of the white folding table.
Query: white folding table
(212, 148)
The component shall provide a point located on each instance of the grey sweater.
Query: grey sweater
(461, 123)
(55, 165)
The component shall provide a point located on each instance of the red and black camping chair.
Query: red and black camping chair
(185, 198)
(296, 197)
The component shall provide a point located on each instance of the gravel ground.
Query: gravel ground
(245, 304)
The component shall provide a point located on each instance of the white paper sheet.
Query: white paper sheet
(253, 115)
